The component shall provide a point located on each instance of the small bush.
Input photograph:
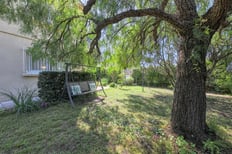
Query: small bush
(137, 76)
(211, 146)
(104, 81)
(23, 100)
(184, 146)
(113, 85)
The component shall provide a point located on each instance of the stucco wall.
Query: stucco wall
(11, 60)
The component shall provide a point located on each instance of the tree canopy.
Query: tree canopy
(60, 27)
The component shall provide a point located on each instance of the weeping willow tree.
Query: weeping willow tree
(130, 29)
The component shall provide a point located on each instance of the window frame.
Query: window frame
(34, 67)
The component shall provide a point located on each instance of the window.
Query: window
(229, 67)
(32, 67)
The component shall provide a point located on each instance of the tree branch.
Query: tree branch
(140, 13)
(153, 12)
(217, 14)
(118, 30)
(217, 57)
(88, 6)
(158, 21)
(66, 23)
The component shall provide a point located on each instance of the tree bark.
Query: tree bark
(189, 104)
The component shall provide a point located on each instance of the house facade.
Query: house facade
(16, 67)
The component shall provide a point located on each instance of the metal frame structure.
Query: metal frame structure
(67, 82)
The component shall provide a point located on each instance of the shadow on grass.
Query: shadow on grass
(219, 111)
(93, 128)
(119, 128)
(158, 105)
(123, 88)
(53, 130)
(86, 128)
(220, 105)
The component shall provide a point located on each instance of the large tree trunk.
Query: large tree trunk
(189, 105)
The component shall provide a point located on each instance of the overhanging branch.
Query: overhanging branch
(153, 12)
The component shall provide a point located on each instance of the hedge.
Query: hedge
(51, 85)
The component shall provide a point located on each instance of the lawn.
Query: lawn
(127, 121)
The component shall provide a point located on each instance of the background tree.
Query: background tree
(135, 26)
(218, 59)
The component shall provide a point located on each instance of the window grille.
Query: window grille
(33, 67)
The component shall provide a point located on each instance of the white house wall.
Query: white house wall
(11, 60)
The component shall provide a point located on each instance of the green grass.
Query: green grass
(127, 121)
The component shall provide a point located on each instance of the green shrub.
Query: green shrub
(137, 76)
(52, 84)
(23, 100)
(184, 146)
(113, 75)
(211, 146)
(113, 85)
(104, 81)
(220, 80)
